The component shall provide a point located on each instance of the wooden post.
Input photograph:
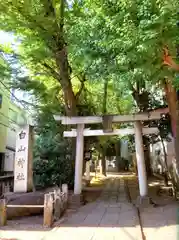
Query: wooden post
(3, 212)
(79, 159)
(57, 204)
(65, 191)
(52, 195)
(143, 188)
(48, 210)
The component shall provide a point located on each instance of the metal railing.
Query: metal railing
(6, 184)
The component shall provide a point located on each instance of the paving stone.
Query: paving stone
(113, 210)
(109, 219)
(126, 206)
(76, 219)
(129, 220)
(93, 219)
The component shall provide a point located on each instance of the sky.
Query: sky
(6, 38)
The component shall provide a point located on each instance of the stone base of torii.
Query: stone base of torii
(80, 132)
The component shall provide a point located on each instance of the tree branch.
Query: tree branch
(168, 60)
(30, 104)
(83, 80)
(32, 23)
(104, 106)
(55, 74)
(62, 7)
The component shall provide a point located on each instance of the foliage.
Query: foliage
(54, 171)
(52, 162)
(37, 28)
(124, 42)
(5, 69)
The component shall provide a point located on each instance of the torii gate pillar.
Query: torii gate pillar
(79, 159)
(142, 176)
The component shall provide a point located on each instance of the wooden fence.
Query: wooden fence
(55, 203)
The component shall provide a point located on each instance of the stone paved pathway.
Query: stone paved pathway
(110, 217)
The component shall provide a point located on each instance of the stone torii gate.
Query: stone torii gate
(81, 132)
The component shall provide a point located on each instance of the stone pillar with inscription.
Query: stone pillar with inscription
(23, 175)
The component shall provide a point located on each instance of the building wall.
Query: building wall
(9, 161)
(11, 117)
(17, 117)
(4, 111)
(124, 149)
(157, 154)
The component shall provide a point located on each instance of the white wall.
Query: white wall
(169, 148)
(124, 149)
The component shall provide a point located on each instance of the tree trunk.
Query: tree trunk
(103, 161)
(147, 158)
(69, 96)
(173, 105)
(61, 56)
(166, 174)
(177, 137)
(104, 110)
(170, 93)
